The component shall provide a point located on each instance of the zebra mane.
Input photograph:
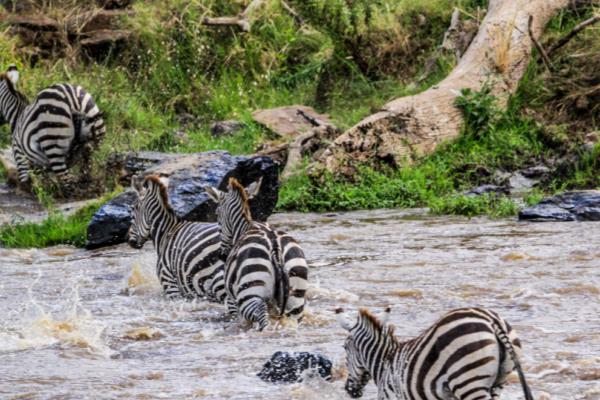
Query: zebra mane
(387, 330)
(237, 186)
(162, 190)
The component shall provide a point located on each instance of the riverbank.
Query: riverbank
(165, 88)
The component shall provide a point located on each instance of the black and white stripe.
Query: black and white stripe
(189, 263)
(45, 131)
(264, 267)
(465, 355)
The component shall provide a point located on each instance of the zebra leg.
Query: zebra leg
(231, 306)
(496, 389)
(255, 309)
(23, 166)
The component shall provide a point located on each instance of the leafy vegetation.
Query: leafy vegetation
(55, 229)
(179, 76)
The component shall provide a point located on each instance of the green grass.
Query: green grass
(492, 140)
(55, 229)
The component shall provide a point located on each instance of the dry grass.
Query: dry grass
(502, 36)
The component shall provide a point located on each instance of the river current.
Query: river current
(93, 325)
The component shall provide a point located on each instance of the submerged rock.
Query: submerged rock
(187, 175)
(569, 206)
(284, 367)
(111, 222)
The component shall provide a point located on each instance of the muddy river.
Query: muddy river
(79, 325)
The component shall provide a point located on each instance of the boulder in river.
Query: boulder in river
(111, 222)
(284, 367)
(188, 175)
(569, 206)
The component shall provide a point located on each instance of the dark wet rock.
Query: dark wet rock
(110, 224)
(226, 128)
(188, 175)
(479, 190)
(284, 367)
(569, 206)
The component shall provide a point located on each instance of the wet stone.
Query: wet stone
(111, 222)
(284, 367)
(569, 206)
(188, 175)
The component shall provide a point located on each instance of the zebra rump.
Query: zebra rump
(188, 263)
(466, 355)
(45, 132)
(263, 267)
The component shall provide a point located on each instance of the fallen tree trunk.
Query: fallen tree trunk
(415, 125)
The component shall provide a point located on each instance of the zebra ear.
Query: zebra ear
(253, 188)
(214, 193)
(385, 315)
(136, 184)
(343, 319)
(13, 74)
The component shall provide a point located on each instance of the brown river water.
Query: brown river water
(93, 325)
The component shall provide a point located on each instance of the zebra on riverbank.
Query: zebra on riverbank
(189, 263)
(465, 355)
(45, 131)
(263, 267)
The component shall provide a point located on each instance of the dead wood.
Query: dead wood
(538, 45)
(564, 40)
(409, 127)
(241, 20)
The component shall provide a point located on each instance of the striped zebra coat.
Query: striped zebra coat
(263, 267)
(465, 355)
(189, 263)
(45, 131)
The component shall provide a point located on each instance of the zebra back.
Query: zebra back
(188, 252)
(45, 132)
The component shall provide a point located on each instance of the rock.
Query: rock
(111, 222)
(536, 172)
(519, 183)
(291, 120)
(187, 175)
(479, 190)
(569, 206)
(284, 367)
(225, 128)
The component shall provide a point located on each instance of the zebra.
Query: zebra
(189, 263)
(465, 355)
(45, 131)
(263, 266)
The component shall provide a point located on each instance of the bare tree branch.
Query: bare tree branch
(538, 46)
(240, 20)
(561, 42)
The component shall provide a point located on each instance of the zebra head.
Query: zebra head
(362, 346)
(233, 210)
(152, 199)
(8, 82)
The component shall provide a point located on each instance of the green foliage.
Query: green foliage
(55, 229)
(478, 108)
(488, 204)
(491, 140)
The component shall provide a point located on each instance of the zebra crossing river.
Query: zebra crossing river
(79, 325)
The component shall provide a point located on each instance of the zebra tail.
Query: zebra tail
(503, 337)
(282, 280)
(282, 288)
